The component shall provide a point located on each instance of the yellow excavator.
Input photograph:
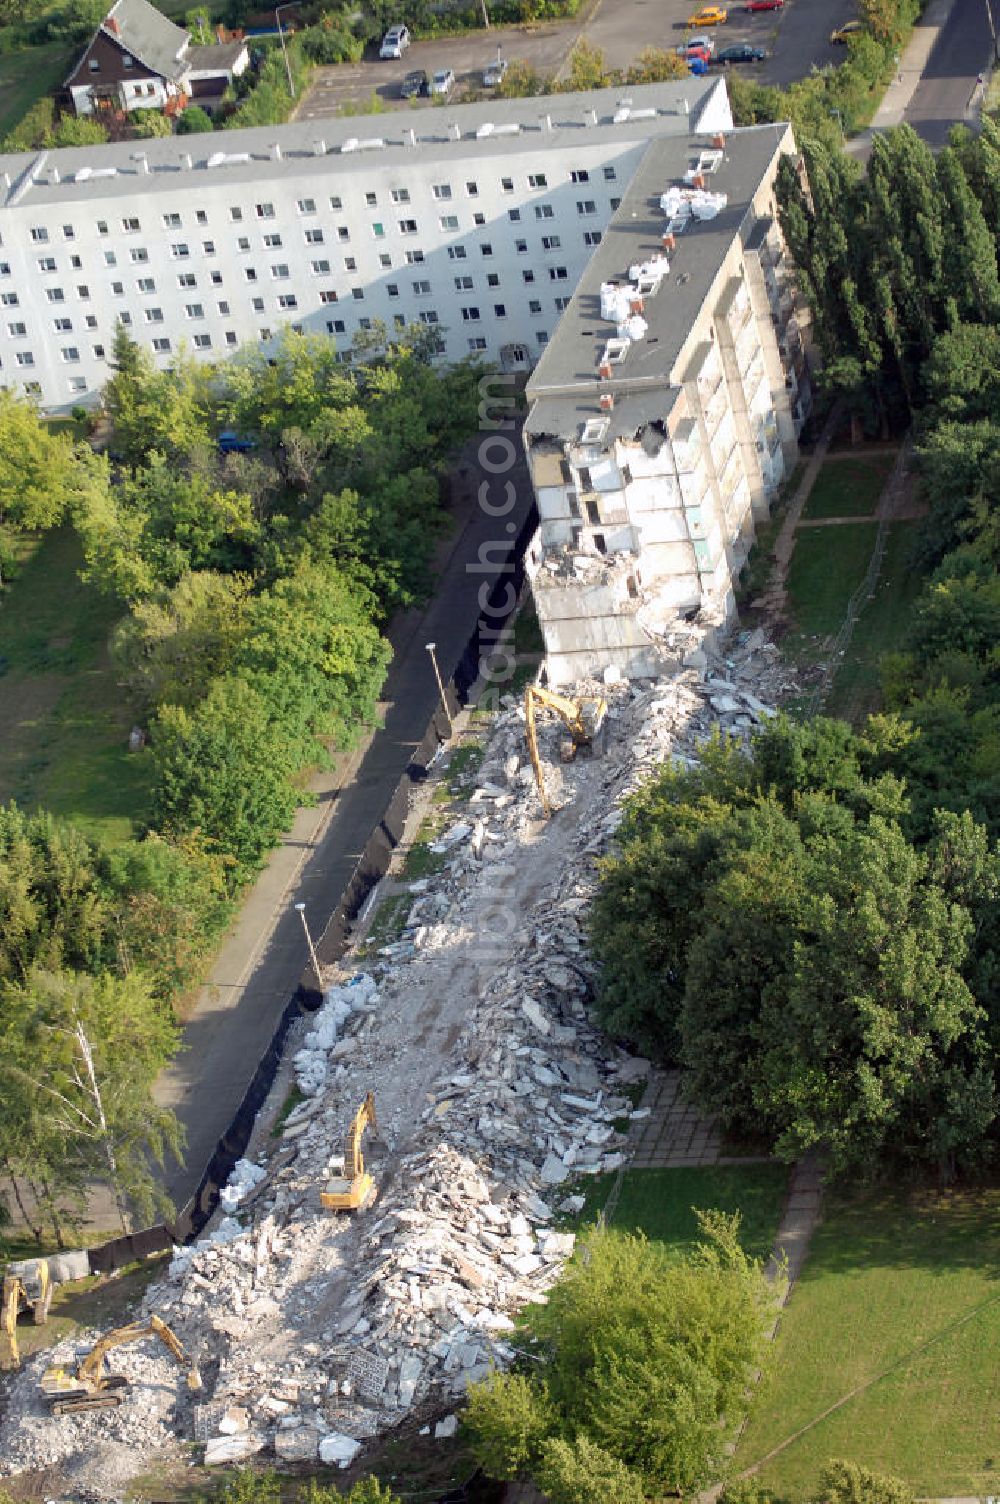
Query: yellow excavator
(27, 1286)
(91, 1387)
(583, 719)
(345, 1193)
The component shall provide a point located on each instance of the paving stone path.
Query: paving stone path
(675, 1134)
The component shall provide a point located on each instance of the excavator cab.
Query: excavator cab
(348, 1192)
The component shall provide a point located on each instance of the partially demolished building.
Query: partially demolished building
(666, 409)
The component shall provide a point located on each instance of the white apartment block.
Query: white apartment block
(478, 220)
(666, 408)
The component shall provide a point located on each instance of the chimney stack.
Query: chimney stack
(275, 152)
(607, 401)
(719, 141)
(669, 241)
(604, 370)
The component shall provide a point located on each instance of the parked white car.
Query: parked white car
(493, 76)
(395, 42)
(443, 82)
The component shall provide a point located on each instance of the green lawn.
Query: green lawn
(880, 629)
(889, 1272)
(661, 1203)
(827, 566)
(849, 487)
(65, 723)
(26, 76)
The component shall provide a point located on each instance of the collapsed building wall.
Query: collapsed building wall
(666, 412)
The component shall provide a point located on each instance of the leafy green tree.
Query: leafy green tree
(172, 645)
(160, 524)
(168, 904)
(521, 81)
(656, 65)
(741, 956)
(509, 1418)
(651, 1356)
(970, 269)
(53, 910)
(314, 655)
(979, 153)
(587, 67)
(579, 1472)
(225, 771)
(88, 1048)
(959, 466)
(962, 375)
(36, 467)
(849, 1483)
(166, 412)
(876, 1045)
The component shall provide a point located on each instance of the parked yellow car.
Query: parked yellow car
(709, 15)
(842, 33)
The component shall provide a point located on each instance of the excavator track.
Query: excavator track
(91, 1402)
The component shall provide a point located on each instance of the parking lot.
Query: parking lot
(795, 37)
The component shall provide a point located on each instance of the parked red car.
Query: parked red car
(764, 4)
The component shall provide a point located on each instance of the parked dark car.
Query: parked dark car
(415, 85)
(741, 53)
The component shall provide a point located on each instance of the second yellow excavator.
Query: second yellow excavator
(345, 1193)
(583, 719)
(27, 1286)
(91, 1387)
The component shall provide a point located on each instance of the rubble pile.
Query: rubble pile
(157, 1409)
(495, 1092)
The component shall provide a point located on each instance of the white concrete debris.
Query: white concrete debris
(244, 1177)
(691, 203)
(338, 1005)
(495, 1093)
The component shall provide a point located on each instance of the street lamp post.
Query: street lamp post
(437, 674)
(284, 50)
(300, 909)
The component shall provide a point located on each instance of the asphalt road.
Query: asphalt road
(963, 50)
(237, 1016)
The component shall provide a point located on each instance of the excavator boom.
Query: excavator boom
(91, 1388)
(583, 718)
(26, 1286)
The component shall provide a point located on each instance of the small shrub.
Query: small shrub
(193, 120)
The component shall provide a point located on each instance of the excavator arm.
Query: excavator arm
(26, 1285)
(583, 718)
(13, 1293)
(91, 1388)
(91, 1369)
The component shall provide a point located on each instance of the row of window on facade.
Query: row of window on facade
(139, 256)
(470, 313)
(131, 225)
